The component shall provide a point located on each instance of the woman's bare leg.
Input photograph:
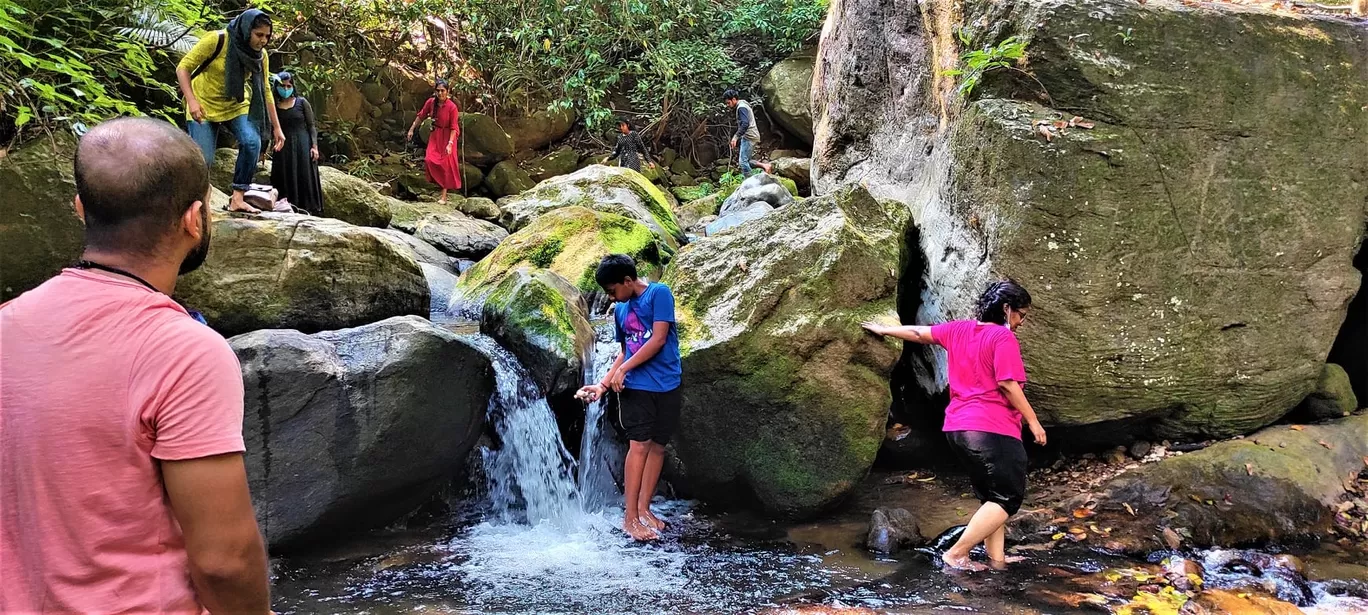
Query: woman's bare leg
(986, 521)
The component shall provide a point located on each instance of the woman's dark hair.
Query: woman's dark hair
(623, 120)
(1002, 294)
(615, 269)
(262, 20)
(441, 83)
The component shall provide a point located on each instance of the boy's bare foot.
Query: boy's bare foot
(649, 520)
(961, 562)
(637, 531)
(769, 168)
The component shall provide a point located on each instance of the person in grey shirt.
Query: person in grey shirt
(747, 134)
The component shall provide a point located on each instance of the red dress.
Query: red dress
(443, 169)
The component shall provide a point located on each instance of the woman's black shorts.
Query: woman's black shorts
(996, 464)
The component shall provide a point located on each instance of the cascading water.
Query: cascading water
(529, 474)
(600, 453)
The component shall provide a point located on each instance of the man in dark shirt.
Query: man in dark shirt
(747, 134)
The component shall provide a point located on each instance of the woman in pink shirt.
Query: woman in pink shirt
(983, 420)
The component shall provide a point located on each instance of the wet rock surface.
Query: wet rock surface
(347, 430)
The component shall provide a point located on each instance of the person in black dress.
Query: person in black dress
(630, 150)
(294, 169)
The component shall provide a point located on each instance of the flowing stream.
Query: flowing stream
(547, 541)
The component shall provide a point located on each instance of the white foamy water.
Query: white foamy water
(600, 453)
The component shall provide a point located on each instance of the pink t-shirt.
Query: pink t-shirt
(101, 377)
(980, 356)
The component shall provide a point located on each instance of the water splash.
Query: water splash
(529, 475)
(600, 453)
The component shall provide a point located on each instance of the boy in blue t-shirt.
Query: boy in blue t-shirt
(646, 374)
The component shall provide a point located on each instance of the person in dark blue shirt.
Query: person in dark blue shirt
(647, 376)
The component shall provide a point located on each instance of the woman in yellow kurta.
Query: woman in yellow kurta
(222, 79)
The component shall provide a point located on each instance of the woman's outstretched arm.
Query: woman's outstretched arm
(913, 333)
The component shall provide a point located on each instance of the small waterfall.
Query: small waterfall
(530, 475)
(600, 453)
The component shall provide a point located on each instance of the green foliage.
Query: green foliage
(728, 183)
(68, 64)
(667, 60)
(974, 63)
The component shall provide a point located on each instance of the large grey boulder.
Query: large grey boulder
(736, 217)
(542, 319)
(349, 430)
(787, 396)
(758, 188)
(352, 199)
(39, 228)
(460, 235)
(787, 88)
(290, 271)
(1209, 215)
(417, 249)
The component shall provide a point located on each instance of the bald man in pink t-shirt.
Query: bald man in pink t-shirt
(122, 483)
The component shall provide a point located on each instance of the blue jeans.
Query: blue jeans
(746, 147)
(249, 146)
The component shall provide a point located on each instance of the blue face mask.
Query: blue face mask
(284, 92)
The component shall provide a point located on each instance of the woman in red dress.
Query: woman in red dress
(443, 168)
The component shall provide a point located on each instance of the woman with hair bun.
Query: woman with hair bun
(987, 405)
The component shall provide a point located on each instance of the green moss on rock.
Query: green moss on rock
(569, 241)
(614, 190)
(787, 396)
(542, 319)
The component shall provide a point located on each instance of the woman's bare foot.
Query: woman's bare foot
(637, 531)
(442, 199)
(961, 562)
(649, 520)
(1001, 564)
(237, 204)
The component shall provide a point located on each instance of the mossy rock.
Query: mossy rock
(537, 129)
(39, 228)
(1275, 486)
(787, 88)
(471, 175)
(542, 319)
(570, 242)
(479, 207)
(563, 161)
(1332, 398)
(787, 397)
(602, 188)
(692, 212)
(1147, 309)
(289, 271)
(353, 200)
(483, 141)
(405, 215)
(683, 166)
(506, 179)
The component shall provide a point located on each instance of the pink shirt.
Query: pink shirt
(980, 356)
(101, 377)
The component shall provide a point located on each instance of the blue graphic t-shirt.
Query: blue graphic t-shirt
(635, 320)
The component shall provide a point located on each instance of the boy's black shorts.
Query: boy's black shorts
(647, 415)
